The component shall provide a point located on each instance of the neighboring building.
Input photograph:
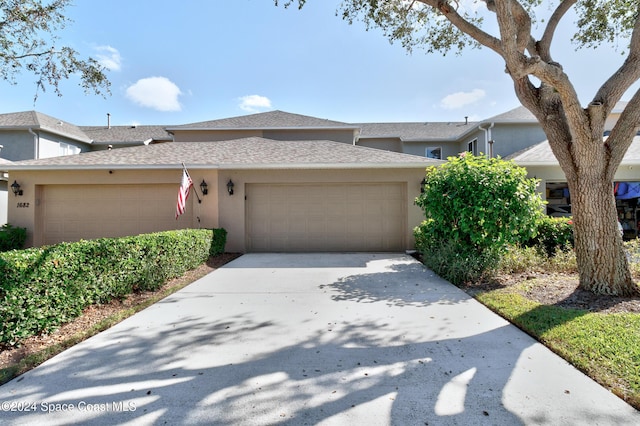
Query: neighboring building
(277, 125)
(501, 135)
(542, 164)
(4, 190)
(124, 136)
(31, 135)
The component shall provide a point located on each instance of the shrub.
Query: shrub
(12, 238)
(632, 249)
(553, 234)
(41, 288)
(530, 259)
(457, 265)
(218, 241)
(475, 207)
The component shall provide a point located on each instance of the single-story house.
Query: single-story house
(270, 195)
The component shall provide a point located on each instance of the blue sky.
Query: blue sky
(194, 60)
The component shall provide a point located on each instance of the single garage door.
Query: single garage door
(74, 212)
(326, 217)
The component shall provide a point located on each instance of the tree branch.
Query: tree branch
(614, 88)
(623, 132)
(465, 26)
(544, 45)
(29, 55)
(512, 19)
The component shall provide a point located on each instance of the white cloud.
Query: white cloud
(109, 57)
(461, 99)
(158, 93)
(254, 103)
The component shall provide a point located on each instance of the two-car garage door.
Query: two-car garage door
(326, 217)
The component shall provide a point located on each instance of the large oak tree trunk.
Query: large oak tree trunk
(602, 263)
(589, 164)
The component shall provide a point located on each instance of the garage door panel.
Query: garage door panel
(73, 212)
(326, 217)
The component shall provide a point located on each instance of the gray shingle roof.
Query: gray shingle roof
(541, 154)
(416, 131)
(115, 135)
(37, 120)
(523, 115)
(240, 153)
(266, 120)
(516, 115)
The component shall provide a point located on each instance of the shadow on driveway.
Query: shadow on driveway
(386, 342)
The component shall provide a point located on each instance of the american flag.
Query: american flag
(183, 193)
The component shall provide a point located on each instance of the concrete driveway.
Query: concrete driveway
(329, 339)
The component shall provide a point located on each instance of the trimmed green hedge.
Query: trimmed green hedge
(12, 237)
(42, 288)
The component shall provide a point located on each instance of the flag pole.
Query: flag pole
(194, 189)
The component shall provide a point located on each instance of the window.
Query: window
(472, 147)
(433, 152)
(67, 149)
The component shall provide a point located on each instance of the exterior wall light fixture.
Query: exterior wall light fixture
(204, 187)
(230, 186)
(423, 182)
(15, 187)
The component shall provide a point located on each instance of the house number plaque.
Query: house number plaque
(23, 205)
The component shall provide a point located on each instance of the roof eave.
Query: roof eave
(173, 129)
(230, 166)
(536, 163)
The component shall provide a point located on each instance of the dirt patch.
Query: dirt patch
(94, 315)
(561, 290)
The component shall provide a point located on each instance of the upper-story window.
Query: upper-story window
(433, 152)
(68, 149)
(472, 147)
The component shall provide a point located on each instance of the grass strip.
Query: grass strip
(605, 346)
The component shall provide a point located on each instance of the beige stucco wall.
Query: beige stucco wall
(218, 208)
(338, 135)
(218, 135)
(387, 144)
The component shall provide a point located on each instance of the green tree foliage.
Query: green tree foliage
(475, 207)
(28, 43)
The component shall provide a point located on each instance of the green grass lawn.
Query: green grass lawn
(605, 346)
